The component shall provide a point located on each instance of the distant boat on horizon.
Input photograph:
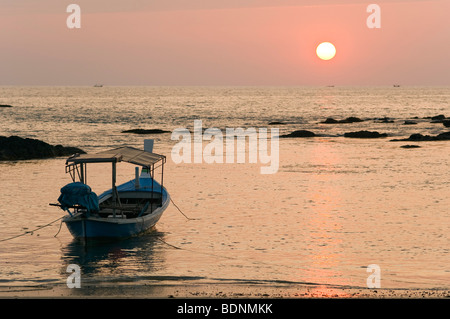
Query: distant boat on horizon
(396, 85)
(98, 85)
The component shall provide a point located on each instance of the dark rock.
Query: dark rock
(16, 148)
(443, 136)
(410, 146)
(446, 123)
(352, 119)
(384, 120)
(409, 123)
(5, 105)
(438, 117)
(299, 133)
(347, 120)
(276, 123)
(420, 138)
(330, 121)
(365, 134)
(144, 131)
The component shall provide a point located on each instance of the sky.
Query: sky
(218, 42)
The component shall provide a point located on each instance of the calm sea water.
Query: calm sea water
(335, 206)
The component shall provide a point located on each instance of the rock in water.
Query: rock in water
(440, 117)
(417, 137)
(365, 134)
(330, 121)
(443, 137)
(446, 123)
(299, 133)
(384, 120)
(5, 105)
(145, 131)
(350, 119)
(17, 148)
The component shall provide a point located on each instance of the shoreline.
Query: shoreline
(222, 291)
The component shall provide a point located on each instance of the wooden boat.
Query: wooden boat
(122, 211)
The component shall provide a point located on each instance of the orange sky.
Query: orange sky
(227, 43)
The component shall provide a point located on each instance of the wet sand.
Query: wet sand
(163, 291)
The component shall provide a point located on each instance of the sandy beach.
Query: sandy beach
(225, 291)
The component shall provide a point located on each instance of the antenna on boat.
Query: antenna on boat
(136, 183)
(148, 147)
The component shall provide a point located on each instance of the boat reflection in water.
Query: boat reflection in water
(118, 262)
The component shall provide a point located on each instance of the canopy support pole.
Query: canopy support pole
(162, 180)
(82, 173)
(114, 189)
(153, 179)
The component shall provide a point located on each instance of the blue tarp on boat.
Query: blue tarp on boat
(78, 194)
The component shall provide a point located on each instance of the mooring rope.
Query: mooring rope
(49, 224)
(188, 218)
(194, 251)
(32, 231)
(60, 224)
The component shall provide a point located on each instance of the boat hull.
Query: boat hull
(82, 227)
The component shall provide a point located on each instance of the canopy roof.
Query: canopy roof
(121, 154)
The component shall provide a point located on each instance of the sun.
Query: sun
(326, 51)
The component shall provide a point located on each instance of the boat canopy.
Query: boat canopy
(121, 154)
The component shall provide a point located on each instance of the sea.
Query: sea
(335, 209)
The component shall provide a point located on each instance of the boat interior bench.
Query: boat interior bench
(130, 204)
(126, 211)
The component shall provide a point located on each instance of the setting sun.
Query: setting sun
(326, 51)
